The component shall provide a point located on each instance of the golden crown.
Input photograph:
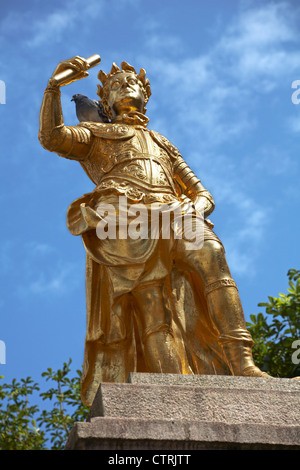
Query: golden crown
(102, 91)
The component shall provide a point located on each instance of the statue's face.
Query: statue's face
(125, 93)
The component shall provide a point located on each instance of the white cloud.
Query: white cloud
(261, 27)
(293, 123)
(38, 249)
(52, 26)
(41, 269)
(240, 262)
(61, 281)
(258, 45)
(6, 251)
(242, 244)
(271, 160)
(217, 91)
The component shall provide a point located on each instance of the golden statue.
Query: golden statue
(154, 303)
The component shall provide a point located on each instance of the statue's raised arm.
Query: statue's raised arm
(53, 134)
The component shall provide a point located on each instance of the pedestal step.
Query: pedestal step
(169, 411)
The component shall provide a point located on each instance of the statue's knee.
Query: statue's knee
(217, 264)
(214, 246)
(212, 262)
(212, 251)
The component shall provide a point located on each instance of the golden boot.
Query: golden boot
(228, 316)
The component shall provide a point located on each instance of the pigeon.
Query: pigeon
(89, 110)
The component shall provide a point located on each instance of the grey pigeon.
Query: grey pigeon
(89, 110)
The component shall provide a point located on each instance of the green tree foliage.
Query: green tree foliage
(24, 426)
(18, 427)
(277, 334)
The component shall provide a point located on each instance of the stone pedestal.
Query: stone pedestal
(184, 412)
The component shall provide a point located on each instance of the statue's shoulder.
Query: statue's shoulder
(166, 144)
(108, 130)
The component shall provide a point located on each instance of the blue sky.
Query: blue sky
(221, 74)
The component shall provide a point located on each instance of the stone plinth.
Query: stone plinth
(172, 412)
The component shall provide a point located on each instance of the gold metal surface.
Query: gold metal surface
(69, 74)
(153, 303)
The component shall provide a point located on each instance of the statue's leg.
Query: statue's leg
(224, 304)
(157, 338)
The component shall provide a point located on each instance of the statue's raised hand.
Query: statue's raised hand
(69, 71)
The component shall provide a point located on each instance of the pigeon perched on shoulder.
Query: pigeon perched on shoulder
(89, 110)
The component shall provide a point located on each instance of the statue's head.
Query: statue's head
(123, 90)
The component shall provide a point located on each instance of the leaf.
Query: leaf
(273, 337)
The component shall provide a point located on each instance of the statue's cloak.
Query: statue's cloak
(113, 347)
